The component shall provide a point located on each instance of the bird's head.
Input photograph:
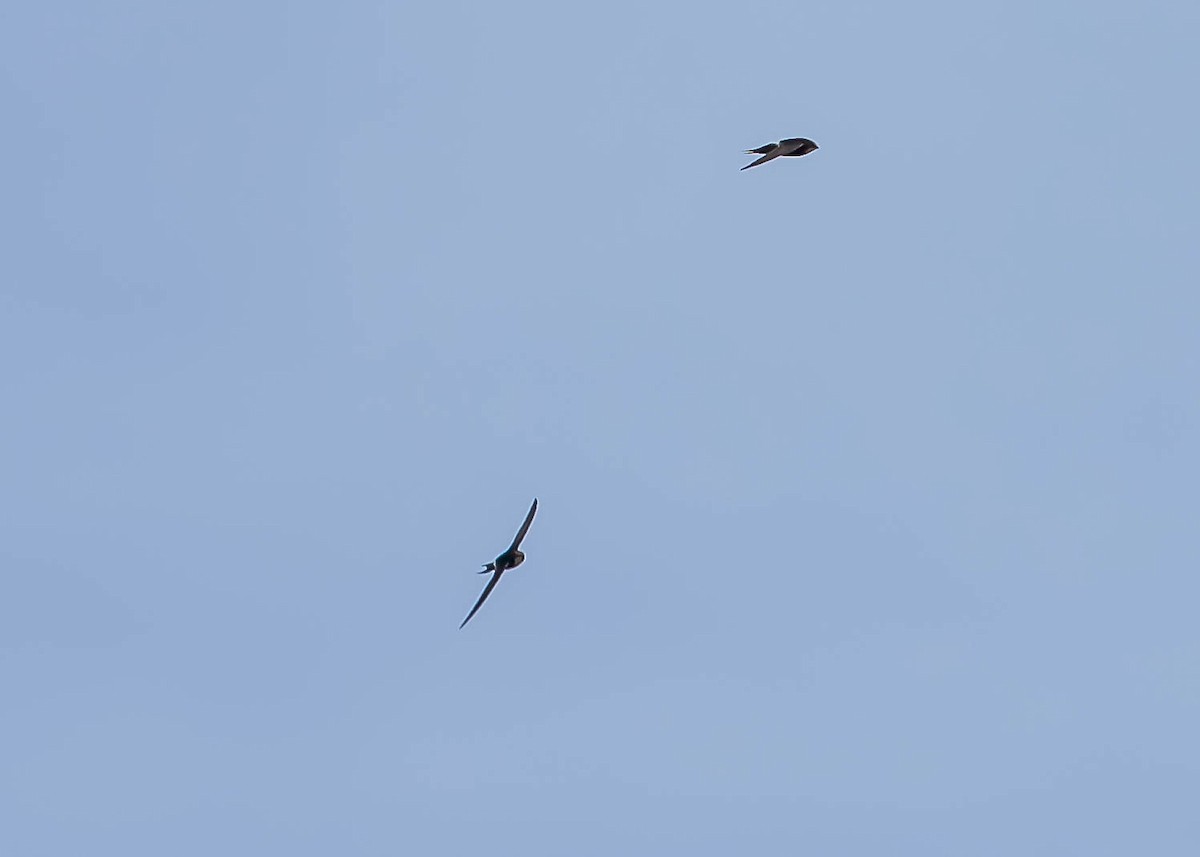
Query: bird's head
(517, 558)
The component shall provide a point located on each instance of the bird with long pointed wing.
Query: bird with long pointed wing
(793, 147)
(508, 560)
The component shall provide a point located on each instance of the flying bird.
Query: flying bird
(794, 147)
(510, 559)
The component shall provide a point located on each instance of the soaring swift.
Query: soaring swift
(793, 147)
(511, 558)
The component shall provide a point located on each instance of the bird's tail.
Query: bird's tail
(488, 568)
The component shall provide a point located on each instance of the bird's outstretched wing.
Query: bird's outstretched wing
(524, 527)
(774, 152)
(487, 590)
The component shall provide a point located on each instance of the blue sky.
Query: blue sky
(868, 480)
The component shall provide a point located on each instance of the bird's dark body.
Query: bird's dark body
(505, 562)
(762, 150)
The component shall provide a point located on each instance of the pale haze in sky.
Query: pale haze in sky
(867, 480)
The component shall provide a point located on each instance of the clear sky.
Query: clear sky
(868, 480)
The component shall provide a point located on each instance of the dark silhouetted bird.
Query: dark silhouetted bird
(510, 559)
(793, 147)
